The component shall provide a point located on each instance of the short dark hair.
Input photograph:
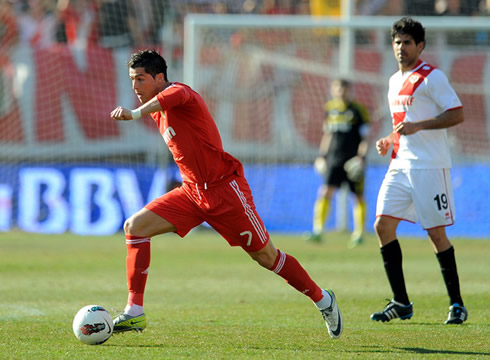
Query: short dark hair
(343, 82)
(151, 61)
(408, 26)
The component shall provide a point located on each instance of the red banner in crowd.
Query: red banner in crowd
(61, 98)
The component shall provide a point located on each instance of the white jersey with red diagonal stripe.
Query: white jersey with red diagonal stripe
(415, 95)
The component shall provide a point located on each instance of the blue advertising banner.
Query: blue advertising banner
(285, 198)
(96, 199)
(85, 200)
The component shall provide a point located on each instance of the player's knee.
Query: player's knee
(264, 259)
(382, 227)
(127, 226)
(130, 227)
(439, 238)
(378, 226)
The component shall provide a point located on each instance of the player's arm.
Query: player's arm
(320, 163)
(324, 144)
(364, 130)
(444, 120)
(362, 149)
(121, 113)
(384, 144)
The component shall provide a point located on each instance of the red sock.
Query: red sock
(291, 270)
(137, 264)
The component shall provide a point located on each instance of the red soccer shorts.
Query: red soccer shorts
(227, 206)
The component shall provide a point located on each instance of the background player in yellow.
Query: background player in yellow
(341, 158)
(326, 8)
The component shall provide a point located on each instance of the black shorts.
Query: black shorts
(336, 176)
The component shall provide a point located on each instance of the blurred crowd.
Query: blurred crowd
(120, 23)
(333, 7)
(109, 23)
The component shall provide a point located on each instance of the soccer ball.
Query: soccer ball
(92, 325)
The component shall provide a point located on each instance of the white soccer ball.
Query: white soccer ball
(92, 325)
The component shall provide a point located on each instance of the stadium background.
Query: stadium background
(66, 166)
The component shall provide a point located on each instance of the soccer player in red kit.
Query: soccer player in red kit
(214, 190)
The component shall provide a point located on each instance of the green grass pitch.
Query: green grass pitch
(205, 300)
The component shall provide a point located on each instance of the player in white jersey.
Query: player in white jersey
(417, 185)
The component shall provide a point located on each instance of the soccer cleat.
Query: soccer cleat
(314, 238)
(393, 310)
(356, 239)
(125, 322)
(457, 314)
(332, 317)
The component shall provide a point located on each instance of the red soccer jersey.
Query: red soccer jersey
(192, 136)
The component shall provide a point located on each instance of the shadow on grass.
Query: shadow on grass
(149, 346)
(368, 349)
(415, 350)
(432, 351)
(434, 323)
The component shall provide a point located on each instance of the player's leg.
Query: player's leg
(434, 202)
(359, 217)
(391, 254)
(295, 275)
(359, 212)
(389, 214)
(334, 176)
(445, 255)
(433, 198)
(399, 306)
(158, 217)
(138, 229)
(321, 210)
(439, 239)
(447, 261)
(394, 203)
(288, 268)
(237, 220)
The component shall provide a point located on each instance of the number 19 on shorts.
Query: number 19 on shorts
(441, 201)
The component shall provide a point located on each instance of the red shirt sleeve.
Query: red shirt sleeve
(173, 96)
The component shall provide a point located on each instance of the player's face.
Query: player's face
(338, 91)
(144, 85)
(406, 51)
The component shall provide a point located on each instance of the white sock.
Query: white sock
(133, 310)
(325, 302)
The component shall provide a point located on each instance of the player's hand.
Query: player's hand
(406, 128)
(382, 146)
(121, 113)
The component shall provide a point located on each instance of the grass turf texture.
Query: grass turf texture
(205, 300)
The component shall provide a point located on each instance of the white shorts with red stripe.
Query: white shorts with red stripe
(424, 195)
